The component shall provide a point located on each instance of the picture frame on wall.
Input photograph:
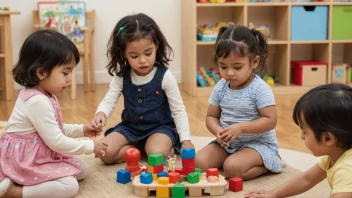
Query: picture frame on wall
(66, 17)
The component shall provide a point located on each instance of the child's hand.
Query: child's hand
(99, 121)
(100, 148)
(218, 137)
(90, 131)
(229, 134)
(187, 144)
(260, 194)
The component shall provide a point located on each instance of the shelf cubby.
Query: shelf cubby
(276, 64)
(276, 17)
(205, 56)
(282, 50)
(212, 15)
(342, 53)
(308, 52)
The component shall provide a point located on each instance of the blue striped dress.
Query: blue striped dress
(243, 106)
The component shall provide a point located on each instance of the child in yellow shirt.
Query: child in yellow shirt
(324, 114)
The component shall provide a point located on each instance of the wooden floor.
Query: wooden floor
(82, 110)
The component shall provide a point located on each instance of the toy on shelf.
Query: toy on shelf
(339, 73)
(264, 29)
(349, 73)
(207, 77)
(217, 1)
(4, 8)
(270, 80)
(177, 182)
(209, 32)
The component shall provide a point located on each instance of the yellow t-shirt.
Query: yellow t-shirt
(340, 175)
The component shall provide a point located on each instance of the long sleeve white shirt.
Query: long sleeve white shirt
(37, 114)
(170, 87)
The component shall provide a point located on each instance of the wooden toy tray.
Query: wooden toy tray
(194, 190)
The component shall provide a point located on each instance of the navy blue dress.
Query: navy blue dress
(146, 111)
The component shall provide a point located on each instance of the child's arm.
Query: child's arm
(41, 114)
(178, 110)
(212, 119)
(107, 105)
(295, 186)
(266, 122)
(73, 130)
(80, 130)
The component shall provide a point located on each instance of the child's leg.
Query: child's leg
(159, 143)
(211, 156)
(9, 190)
(16, 190)
(84, 170)
(245, 163)
(59, 188)
(118, 145)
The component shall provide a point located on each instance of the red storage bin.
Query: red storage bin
(309, 73)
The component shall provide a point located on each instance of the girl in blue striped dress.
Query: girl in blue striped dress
(242, 110)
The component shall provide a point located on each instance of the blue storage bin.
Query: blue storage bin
(309, 23)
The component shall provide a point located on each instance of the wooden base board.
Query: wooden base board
(194, 190)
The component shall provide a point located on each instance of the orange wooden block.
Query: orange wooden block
(150, 169)
(155, 169)
(136, 173)
(155, 177)
(174, 177)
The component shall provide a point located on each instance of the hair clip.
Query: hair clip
(120, 29)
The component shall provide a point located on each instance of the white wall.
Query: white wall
(166, 13)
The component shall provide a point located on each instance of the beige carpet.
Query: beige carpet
(101, 181)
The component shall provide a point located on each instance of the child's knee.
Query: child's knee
(154, 149)
(202, 162)
(111, 157)
(84, 171)
(233, 169)
(70, 186)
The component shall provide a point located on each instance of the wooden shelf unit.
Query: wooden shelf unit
(6, 62)
(281, 49)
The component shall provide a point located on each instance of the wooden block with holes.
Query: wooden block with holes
(199, 189)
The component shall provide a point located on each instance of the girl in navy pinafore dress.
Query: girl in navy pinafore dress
(154, 115)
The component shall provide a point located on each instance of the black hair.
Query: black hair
(242, 41)
(327, 108)
(129, 29)
(44, 49)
